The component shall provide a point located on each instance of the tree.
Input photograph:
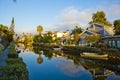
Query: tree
(39, 29)
(12, 26)
(99, 17)
(76, 31)
(36, 39)
(92, 39)
(11, 30)
(117, 27)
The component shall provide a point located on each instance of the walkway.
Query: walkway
(4, 57)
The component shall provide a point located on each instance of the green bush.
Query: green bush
(12, 52)
(14, 72)
(15, 56)
(14, 61)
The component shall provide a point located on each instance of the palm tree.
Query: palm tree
(39, 29)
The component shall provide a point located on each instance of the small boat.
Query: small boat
(94, 55)
(56, 49)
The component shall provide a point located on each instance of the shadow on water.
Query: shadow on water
(99, 69)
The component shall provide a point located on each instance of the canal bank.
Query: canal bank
(13, 67)
(3, 57)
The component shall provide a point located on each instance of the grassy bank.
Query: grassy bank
(15, 68)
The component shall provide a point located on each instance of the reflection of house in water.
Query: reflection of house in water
(57, 55)
(96, 70)
(99, 72)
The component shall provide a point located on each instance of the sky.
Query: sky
(55, 15)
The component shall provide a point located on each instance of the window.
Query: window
(109, 43)
(118, 44)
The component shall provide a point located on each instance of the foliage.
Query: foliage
(117, 27)
(1, 47)
(92, 39)
(12, 52)
(14, 61)
(39, 59)
(11, 30)
(99, 17)
(39, 29)
(36, 39)
(76, 38)
(103, 47)
(27, 38)
(76, 31)
(7, 34)
(46, 39)
(14, 72)
(15, 69)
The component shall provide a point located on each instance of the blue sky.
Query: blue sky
(55, 15)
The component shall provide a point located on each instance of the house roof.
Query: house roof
(98, 25)
(88, 32)
(117, 36)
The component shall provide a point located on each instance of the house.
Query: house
(103, 30)
(95, 29)
(83, 35)
(112, 41)
(62, 36)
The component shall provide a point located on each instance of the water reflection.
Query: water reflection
(71, 67)
(68, 68)
(39, 59)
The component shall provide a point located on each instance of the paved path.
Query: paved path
(4, 57)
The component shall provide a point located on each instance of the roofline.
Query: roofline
(116, 36)
(88, 31)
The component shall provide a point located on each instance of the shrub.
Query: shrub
(14, 61)
(14, 72)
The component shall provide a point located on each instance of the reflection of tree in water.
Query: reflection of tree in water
(48, 54)
(47, 51)
(74, 58)
(25, 47)
(39, 59)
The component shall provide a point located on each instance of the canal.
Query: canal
(46, 64)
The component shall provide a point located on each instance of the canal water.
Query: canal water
(46, 64)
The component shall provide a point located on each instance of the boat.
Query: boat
(57, 48)
(94, 55)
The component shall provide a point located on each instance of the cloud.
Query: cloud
(73, 15)
(70, 17)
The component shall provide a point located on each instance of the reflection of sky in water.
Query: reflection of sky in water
(68, 68)
(54, 69)
(113, 77)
